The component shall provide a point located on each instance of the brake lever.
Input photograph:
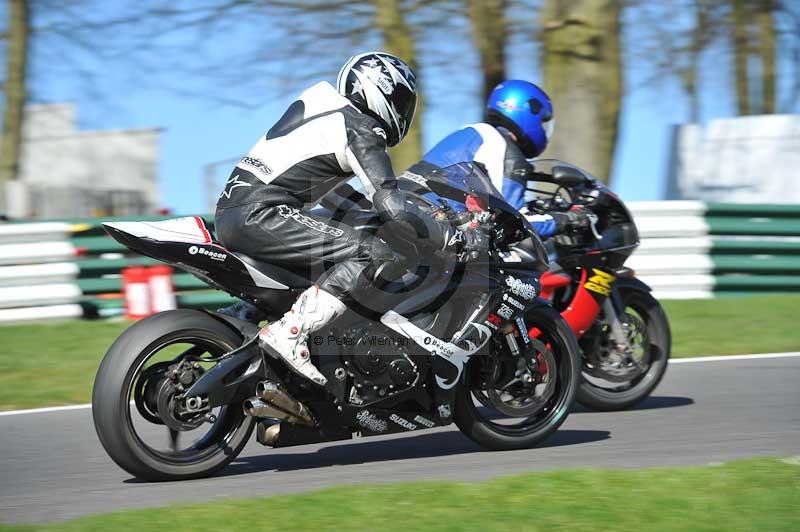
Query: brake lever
(593, 219)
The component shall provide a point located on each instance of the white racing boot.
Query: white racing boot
(289, 336)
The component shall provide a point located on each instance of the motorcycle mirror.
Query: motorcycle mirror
(568, 176)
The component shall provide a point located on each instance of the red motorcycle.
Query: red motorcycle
(622, 329)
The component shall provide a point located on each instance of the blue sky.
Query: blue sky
(116, 93)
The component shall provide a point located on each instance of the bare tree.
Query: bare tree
(490, 33)
(754, 38)
(582, 68)
(701, 34)
(399, 39)
(741, 45)
(766, 51)
(15, 89)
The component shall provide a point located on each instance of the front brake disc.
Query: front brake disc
(526, 399)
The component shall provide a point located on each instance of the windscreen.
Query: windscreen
(465, 178)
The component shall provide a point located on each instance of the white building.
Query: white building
(746, 159)
(66, 172)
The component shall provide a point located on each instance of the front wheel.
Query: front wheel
(139, 414)
(505, 402)
(611, 382)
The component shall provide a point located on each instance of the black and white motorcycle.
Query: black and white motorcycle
(467, 340)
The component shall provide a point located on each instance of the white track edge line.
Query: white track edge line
(671, 361)
(45, 410)
(733, 357)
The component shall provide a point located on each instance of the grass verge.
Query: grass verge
(54, 364)
(760, 494)
(734, 325)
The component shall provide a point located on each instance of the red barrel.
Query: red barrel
(137, 292)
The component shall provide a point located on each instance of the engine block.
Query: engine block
(376, 365)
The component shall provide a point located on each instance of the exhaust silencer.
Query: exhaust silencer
(272, 395)
(255, 407)
(268, 434)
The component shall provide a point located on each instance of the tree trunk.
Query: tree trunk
(766, 41)
(490, 31)
(740, 53)
(16, 61)
(698, 42)
(583, 75)
(399, 40)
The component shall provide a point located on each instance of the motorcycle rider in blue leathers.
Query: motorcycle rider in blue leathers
(517, 125)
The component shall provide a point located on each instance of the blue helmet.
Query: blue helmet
(525, 110)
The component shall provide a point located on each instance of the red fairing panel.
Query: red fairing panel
(552, 282)
(581, 312)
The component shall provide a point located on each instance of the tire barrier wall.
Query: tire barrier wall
(69, 268)
(692, 249)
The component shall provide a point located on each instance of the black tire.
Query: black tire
(567, 353)
(111, 398)
(659, 341)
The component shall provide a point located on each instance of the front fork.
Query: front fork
(618, 334)
(594, 292)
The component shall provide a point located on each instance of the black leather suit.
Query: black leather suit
(321, 140)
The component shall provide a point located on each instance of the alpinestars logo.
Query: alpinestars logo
(380, 132)
(295, 214)
(232, 184)
(457, 237)
(258, 164)
(521, 289)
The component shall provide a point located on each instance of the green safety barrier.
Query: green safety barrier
(755, 246)
(752, 209)
(181, 281)
(757, 283)
(95, 245)
(91, 268)
(756, 264)
(720, 225)
(104, 308)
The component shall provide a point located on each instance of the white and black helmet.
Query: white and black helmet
(384, 87)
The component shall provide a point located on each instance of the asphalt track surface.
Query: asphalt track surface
(53, 467)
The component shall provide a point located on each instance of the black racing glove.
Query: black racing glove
(472, 242)
(577, 219)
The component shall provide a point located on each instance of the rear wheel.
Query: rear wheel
(616, 382)
(142, 421)
(521, 408)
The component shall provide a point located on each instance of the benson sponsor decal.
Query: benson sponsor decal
(213, 255)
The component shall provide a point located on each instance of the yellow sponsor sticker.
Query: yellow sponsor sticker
(600, 282)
